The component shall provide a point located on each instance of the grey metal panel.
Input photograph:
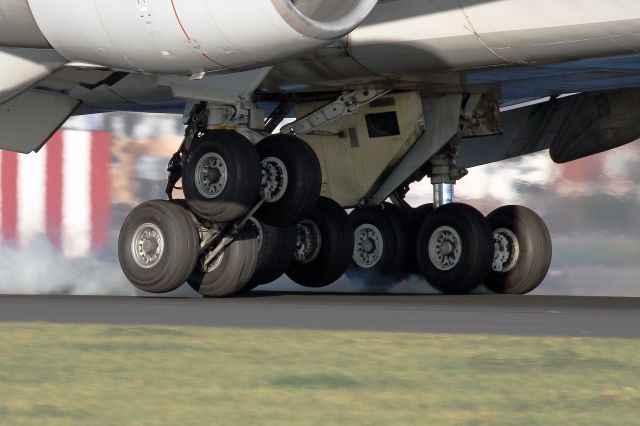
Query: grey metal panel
(28, 120)
(573, 127)
(18, 28)
(23, 67)
(526, 130)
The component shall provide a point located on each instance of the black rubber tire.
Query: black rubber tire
(305, 180)
(477, 249)
(391, 267)
(181, 240)
(536, 250)
(276, 254)
(242, 190)
(336, 249)
(418, 216)
(401, 219)
(233, 272)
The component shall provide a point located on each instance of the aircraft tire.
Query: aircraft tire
(381, 247)
(221, 176)
(233, 269)
(523, 250)
(158, 246)
(324, 246)
(277, 248)
(455, 248)
(418, 216)
(294, 182)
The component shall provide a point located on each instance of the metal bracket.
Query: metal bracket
(348, 104)
(196, 124)
(480, 117)
(221, 240)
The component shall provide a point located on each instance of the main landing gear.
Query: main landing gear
(237, 227)
(254, 213)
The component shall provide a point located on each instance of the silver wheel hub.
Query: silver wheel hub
(147, 245)
(308, 243)
(275, 179)
(368, 247)
(445, 248)
(211, 175)
(215, 264)
(506, 250)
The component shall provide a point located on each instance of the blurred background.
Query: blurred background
(61, 209)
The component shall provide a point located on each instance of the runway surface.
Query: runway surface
(513, 315)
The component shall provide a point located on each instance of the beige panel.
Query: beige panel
(352, 166)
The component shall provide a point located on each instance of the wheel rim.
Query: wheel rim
(147, 245)
(308, 243)
(506, 251)
(369, 246)
(211, 175)
(215, 264)
(445, 248)
(275, 179)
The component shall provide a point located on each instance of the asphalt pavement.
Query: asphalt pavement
(483, 314)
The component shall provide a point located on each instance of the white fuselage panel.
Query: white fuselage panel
(417, 43)
(406, 36)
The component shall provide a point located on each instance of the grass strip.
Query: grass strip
(146, 375)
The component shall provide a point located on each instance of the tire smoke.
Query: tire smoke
(40, 269)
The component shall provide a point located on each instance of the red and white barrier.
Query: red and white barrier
(63, 192)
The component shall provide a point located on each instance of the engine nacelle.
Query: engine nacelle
(193, 36)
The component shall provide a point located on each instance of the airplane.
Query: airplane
(382, 94)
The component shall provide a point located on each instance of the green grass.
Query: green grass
(112, 375)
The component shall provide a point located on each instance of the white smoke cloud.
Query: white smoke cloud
(41, 269)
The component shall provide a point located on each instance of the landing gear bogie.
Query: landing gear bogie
(228, 184)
